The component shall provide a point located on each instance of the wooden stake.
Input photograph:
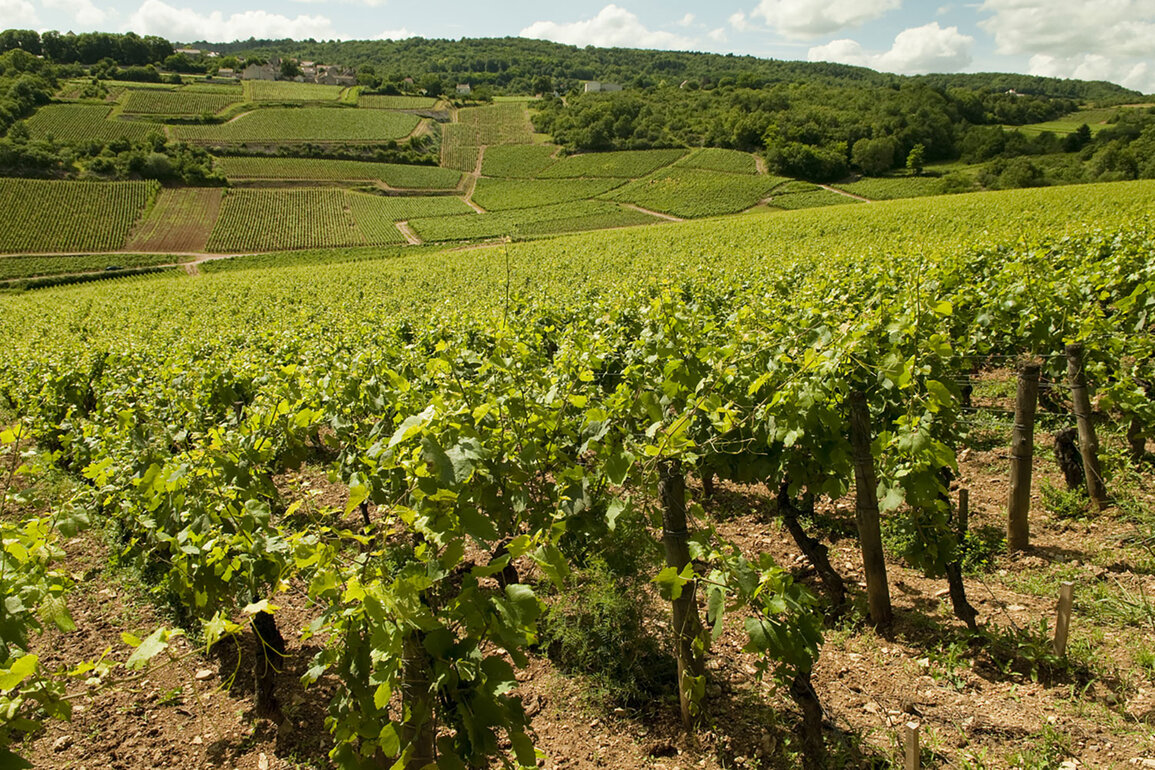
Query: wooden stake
(866, 512)
(1022, 454)
(964, 512)
(1063, 622)
(910, 743)
(1088, 442)
(687, 624)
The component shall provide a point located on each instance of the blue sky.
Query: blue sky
(1090, 39)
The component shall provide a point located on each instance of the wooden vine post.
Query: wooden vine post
(1088, 442)
(1022, 457)
(417, 731)
(866, 512)
(1063, 621)
(687, 624)
(912, 758)
(964, 512)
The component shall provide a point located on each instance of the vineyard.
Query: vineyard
(404, 482)
(540, 220)
(714, 159)
(70, 216)
(693, 192)
(290, 219)
(382, 102)
(180, 220)
(324, 170)
(81, 122)
(305, 124)
(886, 189)
(180, 103)
(502, 194)
(522, 161)
(401, 207)
(803, 195)
(17, 267)
(277, 91)
(629, 164)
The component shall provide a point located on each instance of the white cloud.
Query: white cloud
(717, 35)
(613, 26)
(395, 34)
(929, 48)
(1129, 73)
(1067, 28)
(739, 21)
(155, 17)
(807, 18)
(18, 14)
(686, 20)
(369, 3)
(83, 12)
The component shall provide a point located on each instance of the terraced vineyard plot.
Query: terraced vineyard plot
(458, 149)
(384, 102)
(803, 195)
(305, 124)
(629, 164)
(689, 192)
(81, 122)
(181, 220)
(283, 91)
(232, 87)
(268, 220)
(716, 159)
(502, 194)
(175, 102)
(398, 208)
(537, 221)
(506, 123)
(69, 216)
(892, 188)
(35, 266)
(323, 170)
(517, 160)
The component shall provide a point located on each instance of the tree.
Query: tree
(873, 156)
(916, 159)
(289, 69)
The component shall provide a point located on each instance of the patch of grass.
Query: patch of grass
(1063, 503)
(979, 548)
(1043, 751)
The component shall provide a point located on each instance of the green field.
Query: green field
(12, 268)
(803, 195)
(517, 160)
(891, 188)
(69, 216)
(715, 159)
(305, 124)
(629, 164)
(324, 170)
(693, 192)
(278, 91)
(1095, 118)
(82, 122)
(501, 194)
(289, 219)
(398, 208)
(476, 127)
(543, 220)
(384, 102)
(183, 103)
(180, 220)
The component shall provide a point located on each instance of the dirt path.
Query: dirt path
(847, 194)
(658, 214)
(471, 180)
(760, 164)
(409, 233)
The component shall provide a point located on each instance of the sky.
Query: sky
(1088, 39)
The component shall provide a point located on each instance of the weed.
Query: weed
(1043, 751)
(1064, 504)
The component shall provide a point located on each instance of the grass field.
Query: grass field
(305, 124)
(324, 170)
(693, 192)
(81, 122)
(174, 102)
(1096, 119)
(69, 216)
(891, 188)
(285, 91)
(502, 194)
(521, 161)
(630, 164)
(180, 220)
(715, 159)
(384, 102)
(564, 217)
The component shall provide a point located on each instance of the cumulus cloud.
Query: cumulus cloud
(369, 3)
(807, 19)
(1129, 73)
(18, 14)
(717, 35)
(613, 26)
(155, 17)
(686, 20)
(1065, 28)
(918, 50)
(83, 12)
(395, 34)
(739, 21)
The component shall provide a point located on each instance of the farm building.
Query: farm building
(594, 87)
(464, 89)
